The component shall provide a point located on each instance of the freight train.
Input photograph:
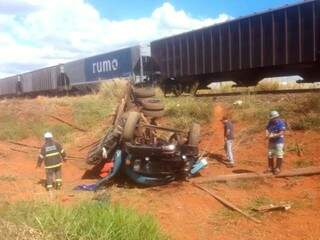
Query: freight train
(279, 42)
(79, 75)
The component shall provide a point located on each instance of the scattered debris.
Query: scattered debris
(67, 123)
(271, 207)
(227, 203)
(24, 145)
(17, 150)
(238, 103)
(308, 171)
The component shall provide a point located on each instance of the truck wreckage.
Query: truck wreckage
(133, 147)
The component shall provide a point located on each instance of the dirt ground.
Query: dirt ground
(183, 211)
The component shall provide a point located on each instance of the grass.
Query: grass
(85, 221)
(10, 128)
(183, 111)
(245, 184)
(91, 109)
(7, 178)
(300, 163)
(20, 119)
(259, 202)
(301, 113)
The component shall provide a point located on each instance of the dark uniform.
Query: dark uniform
(52, 154)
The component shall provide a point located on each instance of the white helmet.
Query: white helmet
(48, 135)
(274, 114)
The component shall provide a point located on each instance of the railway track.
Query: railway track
(284, 91)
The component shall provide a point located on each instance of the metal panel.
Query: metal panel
(8, 86)
(26, 79)
(293, 34)
(280, 37)
(45, 79)
(109, 65)
(317, 31)
(75, 72)
(284, 36)
(307, 32)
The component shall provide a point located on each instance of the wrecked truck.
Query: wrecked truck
(133, 147)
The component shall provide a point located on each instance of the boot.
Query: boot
(270, 166)
(278, 166)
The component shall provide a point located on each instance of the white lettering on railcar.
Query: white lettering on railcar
(105, 66)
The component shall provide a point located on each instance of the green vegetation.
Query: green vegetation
(300, 163)
(10, 128)
(92, 109)
(245, 184)
(20, 119)
(85, 221)
(300, 113)
(182, 111)
(7, 178)
(259, 202)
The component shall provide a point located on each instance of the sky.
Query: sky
(40, 33)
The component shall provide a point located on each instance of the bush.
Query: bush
(86, 221)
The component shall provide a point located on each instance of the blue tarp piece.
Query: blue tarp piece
(86, 187)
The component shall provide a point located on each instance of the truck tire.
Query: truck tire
(153, 114)
(144, 92)
(130, 126)
(194, 135)
(153, 104)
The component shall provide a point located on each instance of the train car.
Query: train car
(8, 86)
(77, 75)
(92, 70)
(280, 42)
(43, 80)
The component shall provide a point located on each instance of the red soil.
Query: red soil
(185, 212)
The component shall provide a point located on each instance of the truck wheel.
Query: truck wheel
(130, 126)
(144, 92)
(194, 135)
(151, 113)
(153, 104)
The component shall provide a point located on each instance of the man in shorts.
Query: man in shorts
(275, 134)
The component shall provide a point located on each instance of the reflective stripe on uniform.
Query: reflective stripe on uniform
(62, 151)
(53, 166)
(41, 156)
(49, 186)
(52, 154)
(58, 180)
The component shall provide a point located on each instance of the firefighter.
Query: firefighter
(52, 154)
(275, 135)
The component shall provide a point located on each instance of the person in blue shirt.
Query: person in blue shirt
(275, 135)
